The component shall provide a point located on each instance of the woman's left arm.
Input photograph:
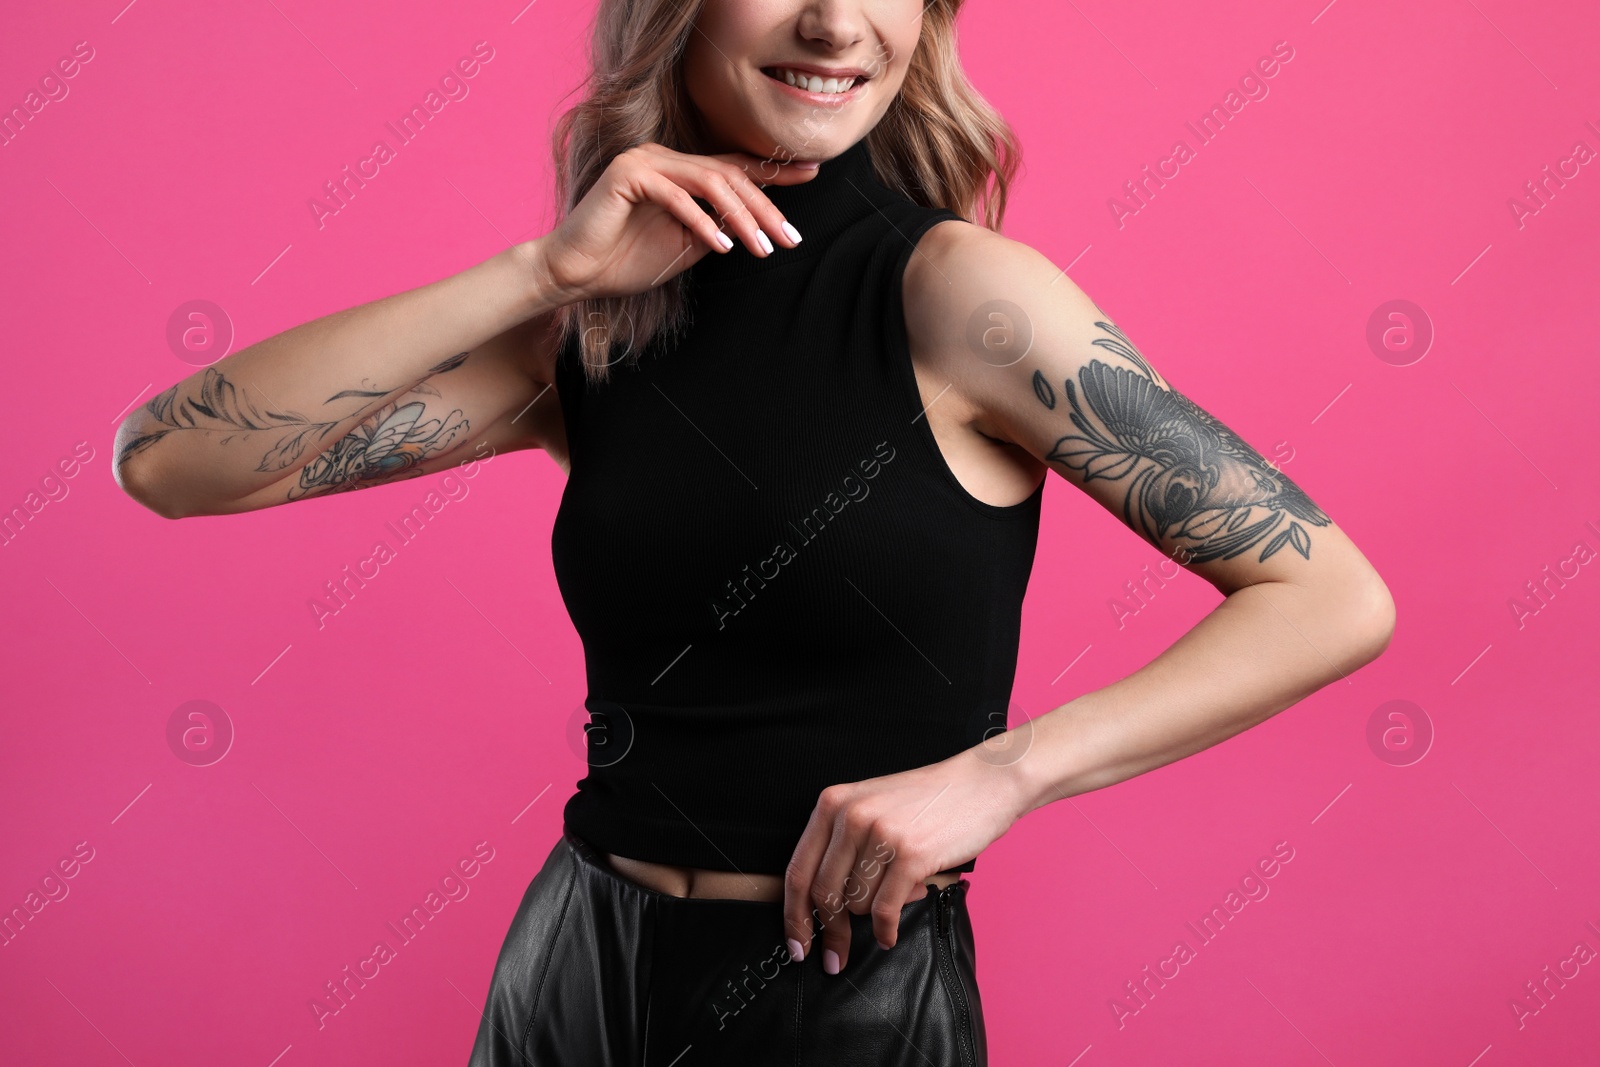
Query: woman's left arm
(1031, 361)
(1055, 377)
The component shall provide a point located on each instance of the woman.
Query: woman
(806, 407)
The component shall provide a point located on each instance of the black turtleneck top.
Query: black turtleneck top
(778, 582)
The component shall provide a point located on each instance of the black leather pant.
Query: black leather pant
(597, 969)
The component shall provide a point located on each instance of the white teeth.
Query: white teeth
(813, 84)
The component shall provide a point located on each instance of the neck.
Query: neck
(845, 189)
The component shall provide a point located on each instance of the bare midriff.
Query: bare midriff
(725, 885)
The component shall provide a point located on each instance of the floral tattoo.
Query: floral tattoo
(1190, 478)
(388, 445)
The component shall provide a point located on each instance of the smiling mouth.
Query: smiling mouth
(813, 83)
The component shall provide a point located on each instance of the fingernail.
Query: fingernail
(795, 951)
(766, 242)
(806, 166)
(724, 240)
(794, 234)
(883, 946)
(830, 961)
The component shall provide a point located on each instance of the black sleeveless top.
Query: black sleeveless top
(778, 582)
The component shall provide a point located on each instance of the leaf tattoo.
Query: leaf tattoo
(220, 406)
(1190, 476)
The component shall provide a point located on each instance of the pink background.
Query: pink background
(435, 711)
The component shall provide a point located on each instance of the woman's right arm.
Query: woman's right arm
(392, 389)
(415, 382)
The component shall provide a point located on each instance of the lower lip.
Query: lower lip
(825, 99)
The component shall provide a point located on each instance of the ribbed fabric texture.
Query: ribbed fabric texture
(778, 582)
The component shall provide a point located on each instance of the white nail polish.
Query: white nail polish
(724, 240)
(766, 242)
(795, 951)
(794, 234)
(830, 961)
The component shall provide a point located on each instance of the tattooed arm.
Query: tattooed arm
(382, 392)
(1035, 366)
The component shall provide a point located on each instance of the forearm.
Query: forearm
(1264, 648)
(260, 414)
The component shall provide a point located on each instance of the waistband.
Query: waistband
(601, 873)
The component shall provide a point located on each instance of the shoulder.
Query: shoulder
(960, 243)
(979, 304)
(960, 270)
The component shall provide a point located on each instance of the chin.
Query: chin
(813, 143)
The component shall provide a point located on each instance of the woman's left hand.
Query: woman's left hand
(870, 845)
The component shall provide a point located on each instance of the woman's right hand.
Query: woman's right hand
(638, 225)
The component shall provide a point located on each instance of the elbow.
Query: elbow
(133, 475)
(1373, 618)
(135, 480)
(164, 511)
(152, 501)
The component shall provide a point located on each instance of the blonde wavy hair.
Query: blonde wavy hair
(938, 144)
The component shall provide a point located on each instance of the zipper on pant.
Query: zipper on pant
(944, 906)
